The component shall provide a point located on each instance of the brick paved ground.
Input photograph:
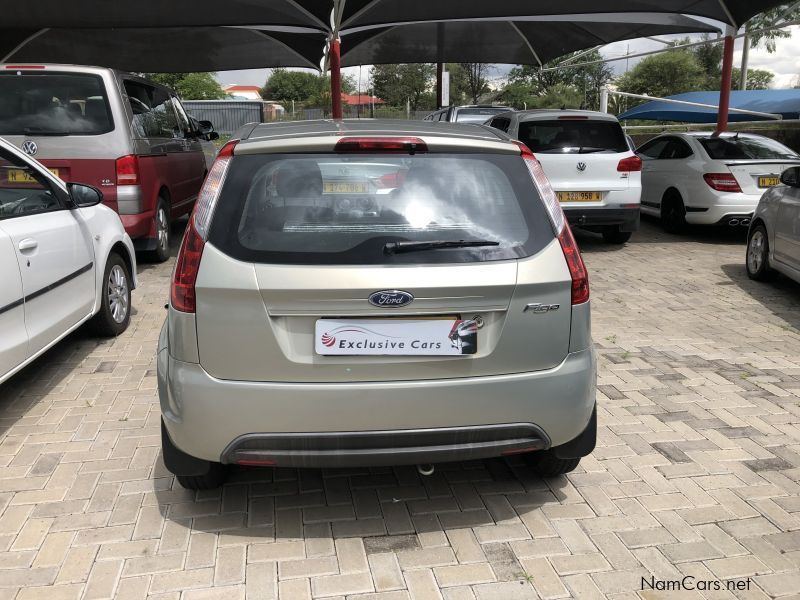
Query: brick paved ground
(697, 470)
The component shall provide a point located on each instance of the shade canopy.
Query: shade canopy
(514, 42)
(165, 49)
(783, 102)
(369, 13)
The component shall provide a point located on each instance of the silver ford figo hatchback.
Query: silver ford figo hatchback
(360, 293)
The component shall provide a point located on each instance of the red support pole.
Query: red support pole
(725, 85)
(336, 79)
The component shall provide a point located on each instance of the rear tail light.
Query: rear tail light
(128, 170)
(722, 182)
(391, 180)
(406, 145)
(187, 266)
(630, 164)
(577, 270)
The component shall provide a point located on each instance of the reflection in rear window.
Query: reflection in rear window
(53, 104)
(334, 208)
(745, 148)
(478, 115)
(568, 136)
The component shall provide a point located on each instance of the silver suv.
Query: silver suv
(365, 293)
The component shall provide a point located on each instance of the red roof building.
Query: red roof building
(252, 92)
(360, 100)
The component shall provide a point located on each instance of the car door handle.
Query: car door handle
(28, 244)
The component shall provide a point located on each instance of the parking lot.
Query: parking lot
(696, 472)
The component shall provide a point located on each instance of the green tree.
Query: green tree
(665, 74)
(757, 79)
(476, 78)
(190, 86)
(397, 84)
(285, 86)
(709, 57)
(787, 12)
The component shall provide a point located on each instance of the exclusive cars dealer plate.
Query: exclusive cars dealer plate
(395, 337)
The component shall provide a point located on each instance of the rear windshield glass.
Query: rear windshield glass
(53, 104)
(573, 136)
(345, 209)
(745, 148)
(477, 115)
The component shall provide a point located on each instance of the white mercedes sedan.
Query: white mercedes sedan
(702, 179)
(65, 259)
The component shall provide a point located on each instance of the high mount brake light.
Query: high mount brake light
(22, 67)
(405, 145)
(722, 182)
(631, 164)
(187, 266)
(572, 254)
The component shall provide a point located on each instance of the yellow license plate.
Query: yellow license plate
(579, 196)
(765, 182)
(21, 176)
(342, 187)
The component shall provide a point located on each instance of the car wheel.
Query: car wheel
(612, 235)
(545, 464)
(161, 252)
(757, 261)
(115, 301)
(215, 477)
(673, 213)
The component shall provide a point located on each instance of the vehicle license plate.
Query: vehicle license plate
(770, 181)
(395, 337)
(579, 196)
(21, 176)
(345, 187)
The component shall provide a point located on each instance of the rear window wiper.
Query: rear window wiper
(400, 247)
(34, 131)
(590, 150)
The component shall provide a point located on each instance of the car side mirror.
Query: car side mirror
(212, 136)
(205, 127)
(84, 196)
(791, 177)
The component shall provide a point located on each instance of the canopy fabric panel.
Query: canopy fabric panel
(369, 13)
(164, 49)
(783, 102)
(512, 42)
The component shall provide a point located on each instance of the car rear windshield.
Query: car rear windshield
(478, 115)
(573, 136)
(345, 209)
(745, 148)
(53, 104)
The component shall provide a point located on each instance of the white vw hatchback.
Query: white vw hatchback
(589, 163)
(702, 179)
(64, 259)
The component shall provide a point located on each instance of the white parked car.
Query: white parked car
(773, 242)
(702, 179)
(65, 259)
(589, 163)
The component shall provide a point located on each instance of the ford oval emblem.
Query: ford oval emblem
(390, 299)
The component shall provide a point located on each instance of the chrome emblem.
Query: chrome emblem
(390, 299)
(581, 166)
(538, 308)
(29, 147)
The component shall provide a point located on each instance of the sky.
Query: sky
(785, 62)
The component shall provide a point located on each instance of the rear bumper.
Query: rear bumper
(139, 225)
(377, 423)
(626, 218)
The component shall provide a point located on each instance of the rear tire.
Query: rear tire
(673, 213)
(114, 315)
(757, 257)
(162, 224)
(545, 464)
(612, 235)
(215, 477)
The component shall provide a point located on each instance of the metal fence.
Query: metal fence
(352, 112)
(227, 116)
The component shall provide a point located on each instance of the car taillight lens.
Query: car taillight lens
(409, 145)
(182, 292)
(128, 170)
(722, 182)
(630, 164)
(577, 269)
